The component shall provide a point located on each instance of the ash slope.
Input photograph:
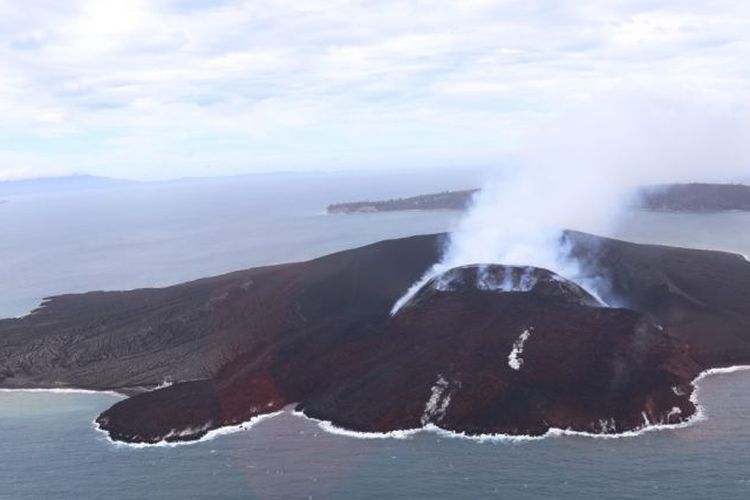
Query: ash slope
(142, 338)
(319, 334)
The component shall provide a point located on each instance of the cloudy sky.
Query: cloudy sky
(150, 89)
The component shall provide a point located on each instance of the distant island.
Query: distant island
(693, 197)
(483, 349)
(446, 200)
(696, 197)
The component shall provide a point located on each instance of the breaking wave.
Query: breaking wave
(698, 416)
(330, 428)
(208, 436)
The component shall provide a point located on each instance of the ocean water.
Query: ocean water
(160, 234)
(51, 450)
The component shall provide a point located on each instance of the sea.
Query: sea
(156, 234)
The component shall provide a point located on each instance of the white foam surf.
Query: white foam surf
(61, 390)
(329, 427)
(647, 427)
(208, 436)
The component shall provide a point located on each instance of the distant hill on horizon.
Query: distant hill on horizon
(696, 197)
(40, 185)
(85, 182)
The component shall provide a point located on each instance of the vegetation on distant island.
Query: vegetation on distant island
(694, 197)
(446, 200)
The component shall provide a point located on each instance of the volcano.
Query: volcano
(481, 349)
(505, 279)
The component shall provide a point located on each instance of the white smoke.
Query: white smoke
(582, 170)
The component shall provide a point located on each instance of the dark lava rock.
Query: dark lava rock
(465, 357)
(142, 338)
(482, 349)
(478, 361)
(701, 297)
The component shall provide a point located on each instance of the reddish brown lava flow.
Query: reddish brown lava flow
(461, 355)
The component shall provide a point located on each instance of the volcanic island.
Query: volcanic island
(483, 349)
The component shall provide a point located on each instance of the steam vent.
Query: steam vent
(483, 349)
(505, 279)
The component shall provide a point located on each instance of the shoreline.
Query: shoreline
(208, 436)
(64, 390)
(123, 392)
(401, 434)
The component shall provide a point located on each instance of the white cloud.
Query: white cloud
(50, 116)
(164, 88)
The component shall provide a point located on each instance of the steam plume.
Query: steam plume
(580, 172)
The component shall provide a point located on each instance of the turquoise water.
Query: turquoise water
(156, 235)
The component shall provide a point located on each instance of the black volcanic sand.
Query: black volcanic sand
(319, 335)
